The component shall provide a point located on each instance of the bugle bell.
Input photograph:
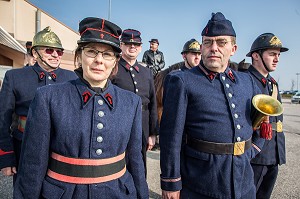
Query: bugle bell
(266, 106)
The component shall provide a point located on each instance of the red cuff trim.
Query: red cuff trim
(256, 147)
(170, 180)
(5, 152)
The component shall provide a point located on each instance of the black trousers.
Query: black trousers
(144, 153)
(17, 149)
(264, 179)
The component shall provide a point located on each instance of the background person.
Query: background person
(265, 52)
(138, 79)
(206, 134)
(77, 143)
(191, 54)
(153, 58)
(18, 91)
(30, 61)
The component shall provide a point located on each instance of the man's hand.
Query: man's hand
(151, 142)
(154, 72)
(170, 194)
(9, 171)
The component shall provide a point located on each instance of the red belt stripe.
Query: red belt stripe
(81, 180)
(78, 161)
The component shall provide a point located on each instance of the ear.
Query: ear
(34, 53)
(233, 49)
(255, 56)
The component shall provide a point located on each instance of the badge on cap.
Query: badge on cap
(275, 41)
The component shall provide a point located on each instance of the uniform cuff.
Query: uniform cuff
(171, 184)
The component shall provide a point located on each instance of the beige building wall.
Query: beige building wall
(18, 17)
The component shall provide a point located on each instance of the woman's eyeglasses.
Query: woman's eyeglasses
(91, 52)
(51, 50)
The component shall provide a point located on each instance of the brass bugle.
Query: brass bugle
(266, 106)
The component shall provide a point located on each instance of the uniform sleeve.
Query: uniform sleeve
(135, 164)
(7, 106)
(35, 149)
(257, 142)
(144, 60)
(162, 62)
(171, 132)
(153, 121)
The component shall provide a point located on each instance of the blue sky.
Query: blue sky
(174, 22)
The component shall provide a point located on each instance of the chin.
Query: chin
(54, 65)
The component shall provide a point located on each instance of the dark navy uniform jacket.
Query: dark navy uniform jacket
(215, 109)
(139, 80)
(19, 87)
(72, 120)
(273, 152)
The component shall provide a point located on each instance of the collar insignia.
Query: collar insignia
(53, 76)
(42, 75)
(273, 80)
(136, 68)
(264, 81)
(127, 66)
(108, 97)
(86, 96)
(231, 76)
(211, 75)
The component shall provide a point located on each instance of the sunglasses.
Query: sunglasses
(130, 44)
(50, 51)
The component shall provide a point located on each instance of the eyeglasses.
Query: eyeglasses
(51, 50)
(107, 55)
(130, 44)
(220, 42)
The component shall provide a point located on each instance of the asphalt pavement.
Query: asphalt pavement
(288, 181)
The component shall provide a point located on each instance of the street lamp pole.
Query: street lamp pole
(109, 9)
(297, 81)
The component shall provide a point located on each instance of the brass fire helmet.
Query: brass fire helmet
(46, 38)
(266, 106)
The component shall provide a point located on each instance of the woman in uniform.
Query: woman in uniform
(83, 138)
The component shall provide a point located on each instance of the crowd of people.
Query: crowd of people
(85, 133)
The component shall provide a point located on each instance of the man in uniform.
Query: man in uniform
(154, 58)
(18, 91)
(30, 61)
(134, 77)
(191, 54)
(265, 52)
(206, 134)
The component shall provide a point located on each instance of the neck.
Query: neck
(187, 65)
(219, 69)
(129, 61)
(261, 69)
(45, 67)
(97, 84)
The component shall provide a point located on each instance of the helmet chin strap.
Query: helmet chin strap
(41, 58)
(260, 54)
(187, 61)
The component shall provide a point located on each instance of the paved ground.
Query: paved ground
(288, 182)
